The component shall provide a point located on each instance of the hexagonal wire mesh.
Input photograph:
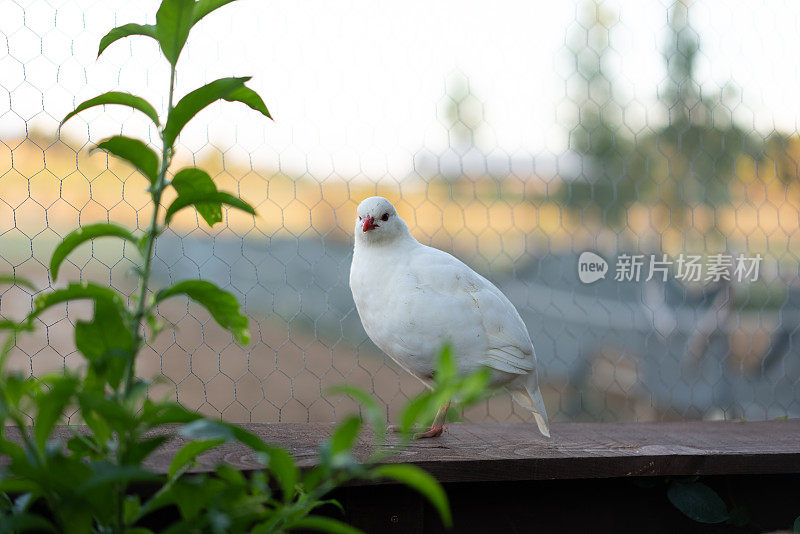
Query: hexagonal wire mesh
(562, 129)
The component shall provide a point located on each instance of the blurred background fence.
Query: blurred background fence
(516, 136)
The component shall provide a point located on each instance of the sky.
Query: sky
(357, 87)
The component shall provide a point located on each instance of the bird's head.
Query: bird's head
(377, 221)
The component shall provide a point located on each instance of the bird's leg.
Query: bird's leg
(436, 428)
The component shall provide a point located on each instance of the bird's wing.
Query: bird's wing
(507, 346)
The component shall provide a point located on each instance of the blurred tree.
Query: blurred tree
(691, 160)
(686, 162)
(461, 113)
(603, 190)
(681, 95)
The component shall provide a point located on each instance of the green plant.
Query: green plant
(698, 501)
(91, 481)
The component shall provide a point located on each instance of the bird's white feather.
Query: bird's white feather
(412, 298)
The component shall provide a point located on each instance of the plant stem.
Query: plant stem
(152, 234)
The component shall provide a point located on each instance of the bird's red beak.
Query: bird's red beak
(369, 223)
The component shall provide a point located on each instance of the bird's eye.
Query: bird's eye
(385, 217)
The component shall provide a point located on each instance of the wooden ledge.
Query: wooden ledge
(482, 452)
(506, 477)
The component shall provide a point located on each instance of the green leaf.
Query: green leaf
(207, 429)
(106, 473)
(5, 503)
(328, 502)
(116, 97)
(446, 369)
(192, 103)
(739, 516)
(174, 20)
(248, 438)
(357, 394)
(192, 496)
(25, 523)
(15, 328)
(324, 524)
(76, 519)
(83, 290)
(373, 412)
(213, 429)
(101, 430)
(474, 387)
(196, 182)
(15, 388)
(337, 451)
(279, 462)
(111, 412)
(139, 450)
(16, 281)
(107, 342)
(222, 306)
(127, 30)
(345, 434)
(419, 410)
(131, 507)
(155, 414)
(134, 152)
(17, 485)
(421, 481)
(250, 98)
(232, 476)
(11, 341)
(282, 466)
(697, 502)
(80, 236)
(84, 446)
(51, 406)
(204, 199)
(204, 7)
(189, 452)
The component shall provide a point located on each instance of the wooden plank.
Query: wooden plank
(509, 451)
(470, 452)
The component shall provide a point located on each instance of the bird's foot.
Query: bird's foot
(433, 432)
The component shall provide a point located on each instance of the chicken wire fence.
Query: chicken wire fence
(648, 234)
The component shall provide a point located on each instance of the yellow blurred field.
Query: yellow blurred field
(54, 185)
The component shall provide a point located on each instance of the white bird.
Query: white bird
(413, 298)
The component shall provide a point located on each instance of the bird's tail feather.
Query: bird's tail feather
(529, 396)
